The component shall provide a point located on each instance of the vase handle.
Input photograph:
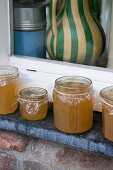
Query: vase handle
(53, 18)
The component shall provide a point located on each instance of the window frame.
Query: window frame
(46, 69)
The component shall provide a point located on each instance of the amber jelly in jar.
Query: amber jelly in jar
(73, 104)
(33, 103)
(106, 95)
(8, 89)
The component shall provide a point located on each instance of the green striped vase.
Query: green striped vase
(96, 8)
(74, 35)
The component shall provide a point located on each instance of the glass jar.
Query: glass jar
(73, 104)
(33, 103)
(8, 89)
(106, 95)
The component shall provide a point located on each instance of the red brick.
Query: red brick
(7, 162)
(66, 155)
(12, 141)
(85, 160)
(29, 165)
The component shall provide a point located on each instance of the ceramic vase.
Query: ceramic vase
(96, 8)
(74, 34)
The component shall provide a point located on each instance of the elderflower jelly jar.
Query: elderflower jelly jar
(8, 89)
(106, 95)
(73, 104)
(33, 103)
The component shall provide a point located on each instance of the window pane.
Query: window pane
(77, 32)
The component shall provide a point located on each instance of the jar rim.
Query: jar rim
(107, 93)
(8, 72)
(76, 79)
(33, 94)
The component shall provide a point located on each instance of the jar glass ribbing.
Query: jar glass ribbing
(73, 104)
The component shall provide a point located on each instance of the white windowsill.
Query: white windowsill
(38, 72)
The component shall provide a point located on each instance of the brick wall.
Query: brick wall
(18, 152)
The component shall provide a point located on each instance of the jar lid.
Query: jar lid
(34, 94)
(8, 72)
(107, 93)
